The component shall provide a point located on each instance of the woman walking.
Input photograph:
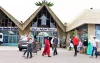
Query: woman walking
(46, 48)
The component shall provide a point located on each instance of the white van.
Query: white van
(1, 38)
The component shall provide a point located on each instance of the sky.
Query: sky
(66, 10)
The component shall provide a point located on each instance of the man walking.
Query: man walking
(30, 44)
(55, 43)
(75, 43)
(95, 46)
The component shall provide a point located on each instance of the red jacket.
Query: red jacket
(75, 41)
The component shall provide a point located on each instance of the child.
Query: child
(80, 46)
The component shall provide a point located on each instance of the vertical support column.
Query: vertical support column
(62, 36)
(76, 33)
(91, 30)
(67, 39)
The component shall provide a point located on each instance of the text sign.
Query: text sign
(8, 28)
(42, 29)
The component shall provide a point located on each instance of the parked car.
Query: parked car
(22, 44)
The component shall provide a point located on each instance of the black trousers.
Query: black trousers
(75, 49)
(55, 51)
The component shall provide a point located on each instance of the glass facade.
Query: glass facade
(83, 32)
(97, 32)
(10, 37)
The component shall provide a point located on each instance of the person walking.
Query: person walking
(95, 46)
(46, 47)
(26, 49)
(30, 44)
(75, 43)
(55, 43)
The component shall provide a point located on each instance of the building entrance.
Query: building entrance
(41, 37)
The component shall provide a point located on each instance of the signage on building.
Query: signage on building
(42, 29)
(8, 28)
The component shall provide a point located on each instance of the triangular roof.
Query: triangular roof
(88, 16)
(61, 25)
(12, 18)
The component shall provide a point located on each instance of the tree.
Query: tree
(72, 33)
(44, 1)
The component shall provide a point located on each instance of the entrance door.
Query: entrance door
(41, 40)
(12, 40)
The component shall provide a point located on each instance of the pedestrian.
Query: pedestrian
(80, 45)
(26, 49)
(95, 46)
(75, 43)
(85, 45)
(55, 43)
(89, 48)
(46, 47)
(71, 45)
(52, 43)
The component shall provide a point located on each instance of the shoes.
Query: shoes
(91, 56)
(96, 57)
(49, 56)
(75, 55)
(31, 57)
(23, 56)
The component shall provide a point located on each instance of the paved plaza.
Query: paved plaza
(12, 55)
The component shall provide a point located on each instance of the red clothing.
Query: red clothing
(47, 47)
(75, 41)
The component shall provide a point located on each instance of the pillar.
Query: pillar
(67, 39)
(91, 30)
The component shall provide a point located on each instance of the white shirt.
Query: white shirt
(94, 42)
(71, 45)
(52, 40)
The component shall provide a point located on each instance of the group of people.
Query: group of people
(86, 46)
(46, 51)
(54, 42)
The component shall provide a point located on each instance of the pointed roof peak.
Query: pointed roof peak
(60, 24)
(11, 17)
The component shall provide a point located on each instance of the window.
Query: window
(43, 20)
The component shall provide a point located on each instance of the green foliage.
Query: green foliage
(40, 3)
(71, 33)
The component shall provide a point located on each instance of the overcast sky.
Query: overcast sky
(66, 10)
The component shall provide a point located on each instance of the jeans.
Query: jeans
(75, 48)
(55, 51)
(29, 50)
(94, 49)
(25, 51)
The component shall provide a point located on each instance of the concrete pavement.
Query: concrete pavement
(12, 55)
